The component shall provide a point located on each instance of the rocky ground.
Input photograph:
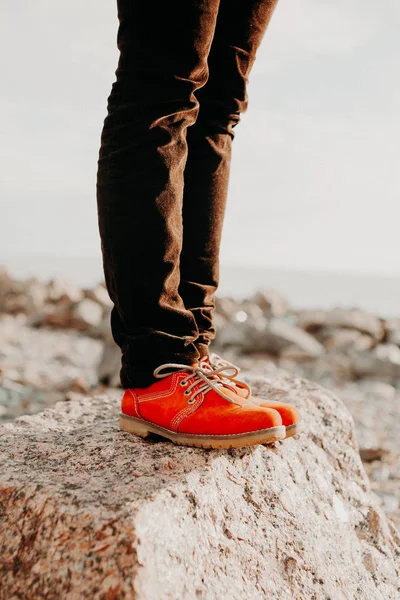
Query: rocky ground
(55, 341)
(88, 511)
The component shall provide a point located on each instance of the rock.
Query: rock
(25, 296)
(39, 364)
(247, 311)
(219, 323)
(226, 307)
(381, 362)
(5, 285)
(57, 315)
(394, 337)
(35, 301)
(110, 365)
(7, 290)
(380, 473)
(79, 385)
(294, 353)
(100, 295)
(103, 330)
(63, 291)
(230, 334)
(380, 389)
(328, 369)
(390, 503)
(272, 303)
(13, 304)
(372, 454)
(376, 413)
(341, 339)
(274, 335)
(89, 511)
(392, 328)
(86, 314)
(312, 320)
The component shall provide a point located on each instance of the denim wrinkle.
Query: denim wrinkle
(163, 171)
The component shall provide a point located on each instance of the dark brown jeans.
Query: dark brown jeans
(163, 170)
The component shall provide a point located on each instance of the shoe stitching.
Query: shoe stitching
(180, 416)
(155, 395)
(135, 402)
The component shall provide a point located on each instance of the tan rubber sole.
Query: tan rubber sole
(291, 430)
(145, 428)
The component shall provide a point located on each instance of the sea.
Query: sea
(377, 293)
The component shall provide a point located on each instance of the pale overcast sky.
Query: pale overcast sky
(315, 181)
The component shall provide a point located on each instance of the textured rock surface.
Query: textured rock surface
(39, 366)
(89, 511)
(277, 334)
(339, 317)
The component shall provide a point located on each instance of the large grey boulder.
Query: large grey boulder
(91, 512)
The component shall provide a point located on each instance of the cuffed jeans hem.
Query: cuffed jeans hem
(141, 374)
(203, 349)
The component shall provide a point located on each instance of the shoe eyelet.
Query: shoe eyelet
(191, 400)
(183, 383)
(186, 393)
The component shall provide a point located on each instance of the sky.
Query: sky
(314, 182)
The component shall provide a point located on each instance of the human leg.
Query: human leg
(163, 61)
(241, 25)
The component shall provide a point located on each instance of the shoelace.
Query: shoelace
(208, 377)
(220, 362)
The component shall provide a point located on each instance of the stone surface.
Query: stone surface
(89, 511)
(55, 315)
(375, 408)
(342, 318)
(381, 362)
(360, 359)
(103, 330)
(87, 313)
(394, 332)
(341, 339)
(37, 365)
(5, 284)
(100, 295)
(272, 303)
(376, 413)
(110, 365)
(275, 334)
(59, 290)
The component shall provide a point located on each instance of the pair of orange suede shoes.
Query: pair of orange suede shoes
(204, 405)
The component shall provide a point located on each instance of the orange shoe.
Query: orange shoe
(289, 413)
(192, 406)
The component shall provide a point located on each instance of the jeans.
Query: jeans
(163, 171)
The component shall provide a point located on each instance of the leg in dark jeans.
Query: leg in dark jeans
(163, 60)
(149, 261)
(240, 27)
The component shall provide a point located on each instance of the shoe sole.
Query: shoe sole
(144, 428)
(291, 430)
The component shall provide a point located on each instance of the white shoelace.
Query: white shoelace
(210, 378)
(219, 362)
